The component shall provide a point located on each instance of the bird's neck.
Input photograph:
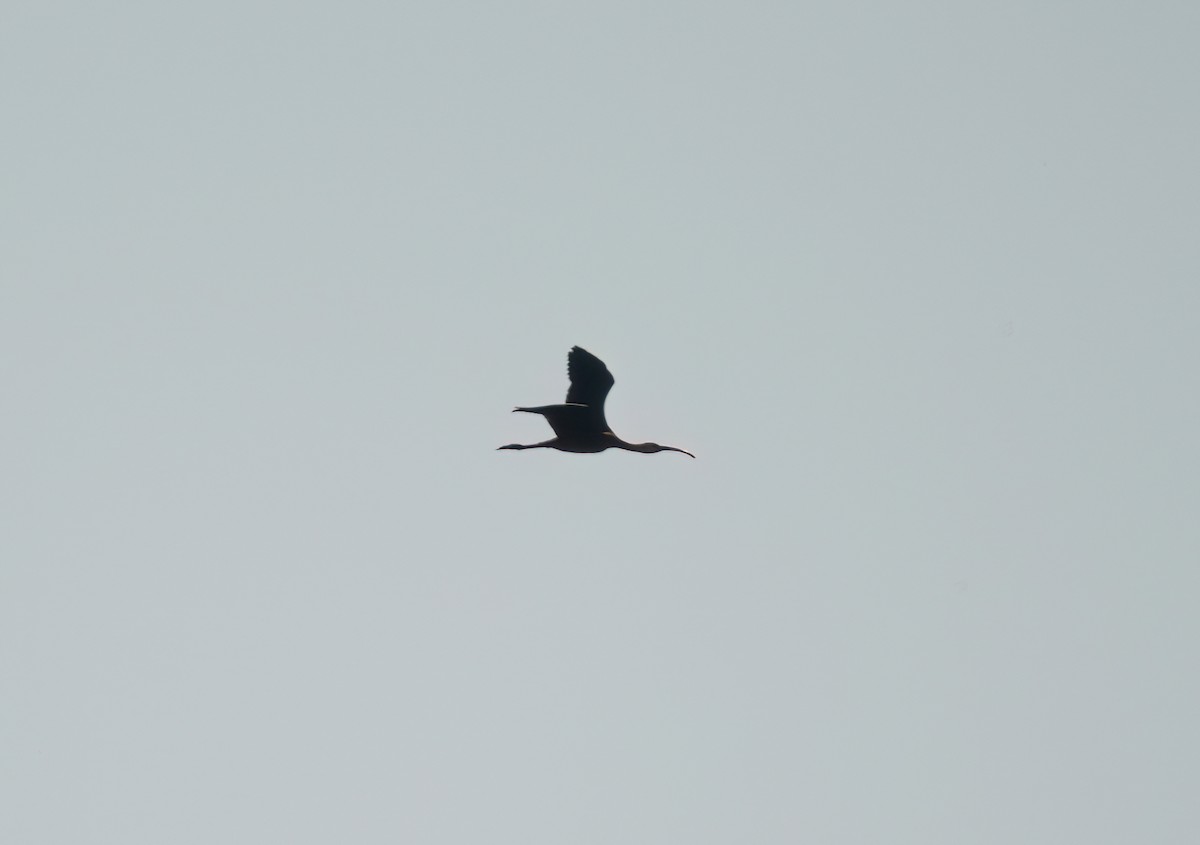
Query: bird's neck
(638, 447)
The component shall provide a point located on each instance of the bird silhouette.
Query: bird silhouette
(579, 424)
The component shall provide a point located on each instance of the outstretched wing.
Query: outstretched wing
(590, 383)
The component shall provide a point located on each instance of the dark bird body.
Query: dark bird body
(579, 424)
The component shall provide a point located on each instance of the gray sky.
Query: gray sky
(917, 284)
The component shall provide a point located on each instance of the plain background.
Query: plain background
(916, 282)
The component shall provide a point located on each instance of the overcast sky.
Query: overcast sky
(917, 283)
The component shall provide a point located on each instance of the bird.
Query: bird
(579, 424)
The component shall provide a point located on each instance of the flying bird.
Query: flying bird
(579, 424)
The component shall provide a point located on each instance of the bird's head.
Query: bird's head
(657, 447)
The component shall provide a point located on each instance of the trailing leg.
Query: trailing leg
(546, 444)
